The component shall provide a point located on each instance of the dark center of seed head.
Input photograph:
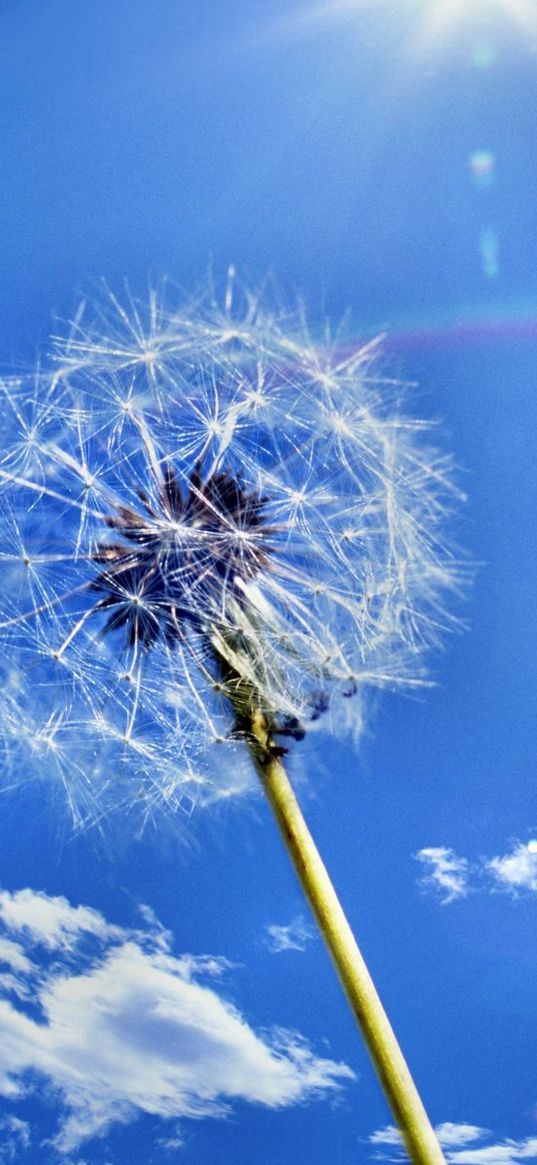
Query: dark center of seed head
(177, 559)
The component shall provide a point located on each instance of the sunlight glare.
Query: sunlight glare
(434, 20)
(445, 16)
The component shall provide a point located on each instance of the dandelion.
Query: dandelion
(218, 538)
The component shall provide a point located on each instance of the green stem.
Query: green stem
(400, 1090)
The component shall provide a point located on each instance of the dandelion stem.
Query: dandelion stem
(419, 1137)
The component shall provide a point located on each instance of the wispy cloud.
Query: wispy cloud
(15, 1135)
(446, 873)
(459, 1144)
(125, 1026)
(293, 937)
(450, 876)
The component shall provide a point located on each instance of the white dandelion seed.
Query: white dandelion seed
(216, 532)
(183, 494)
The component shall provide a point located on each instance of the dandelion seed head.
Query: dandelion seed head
(196, 501)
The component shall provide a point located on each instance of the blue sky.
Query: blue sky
(165, 996)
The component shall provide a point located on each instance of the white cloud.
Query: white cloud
(503, 1153)
(516, 870)
(52, 921)
(453, 877)
(445, 872)
(15, 1135)
(293, 937)
(388, 1135)
(170, 1144)
(451, 1135)
(132, 1028)
(455, 1139)
(13, 954)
